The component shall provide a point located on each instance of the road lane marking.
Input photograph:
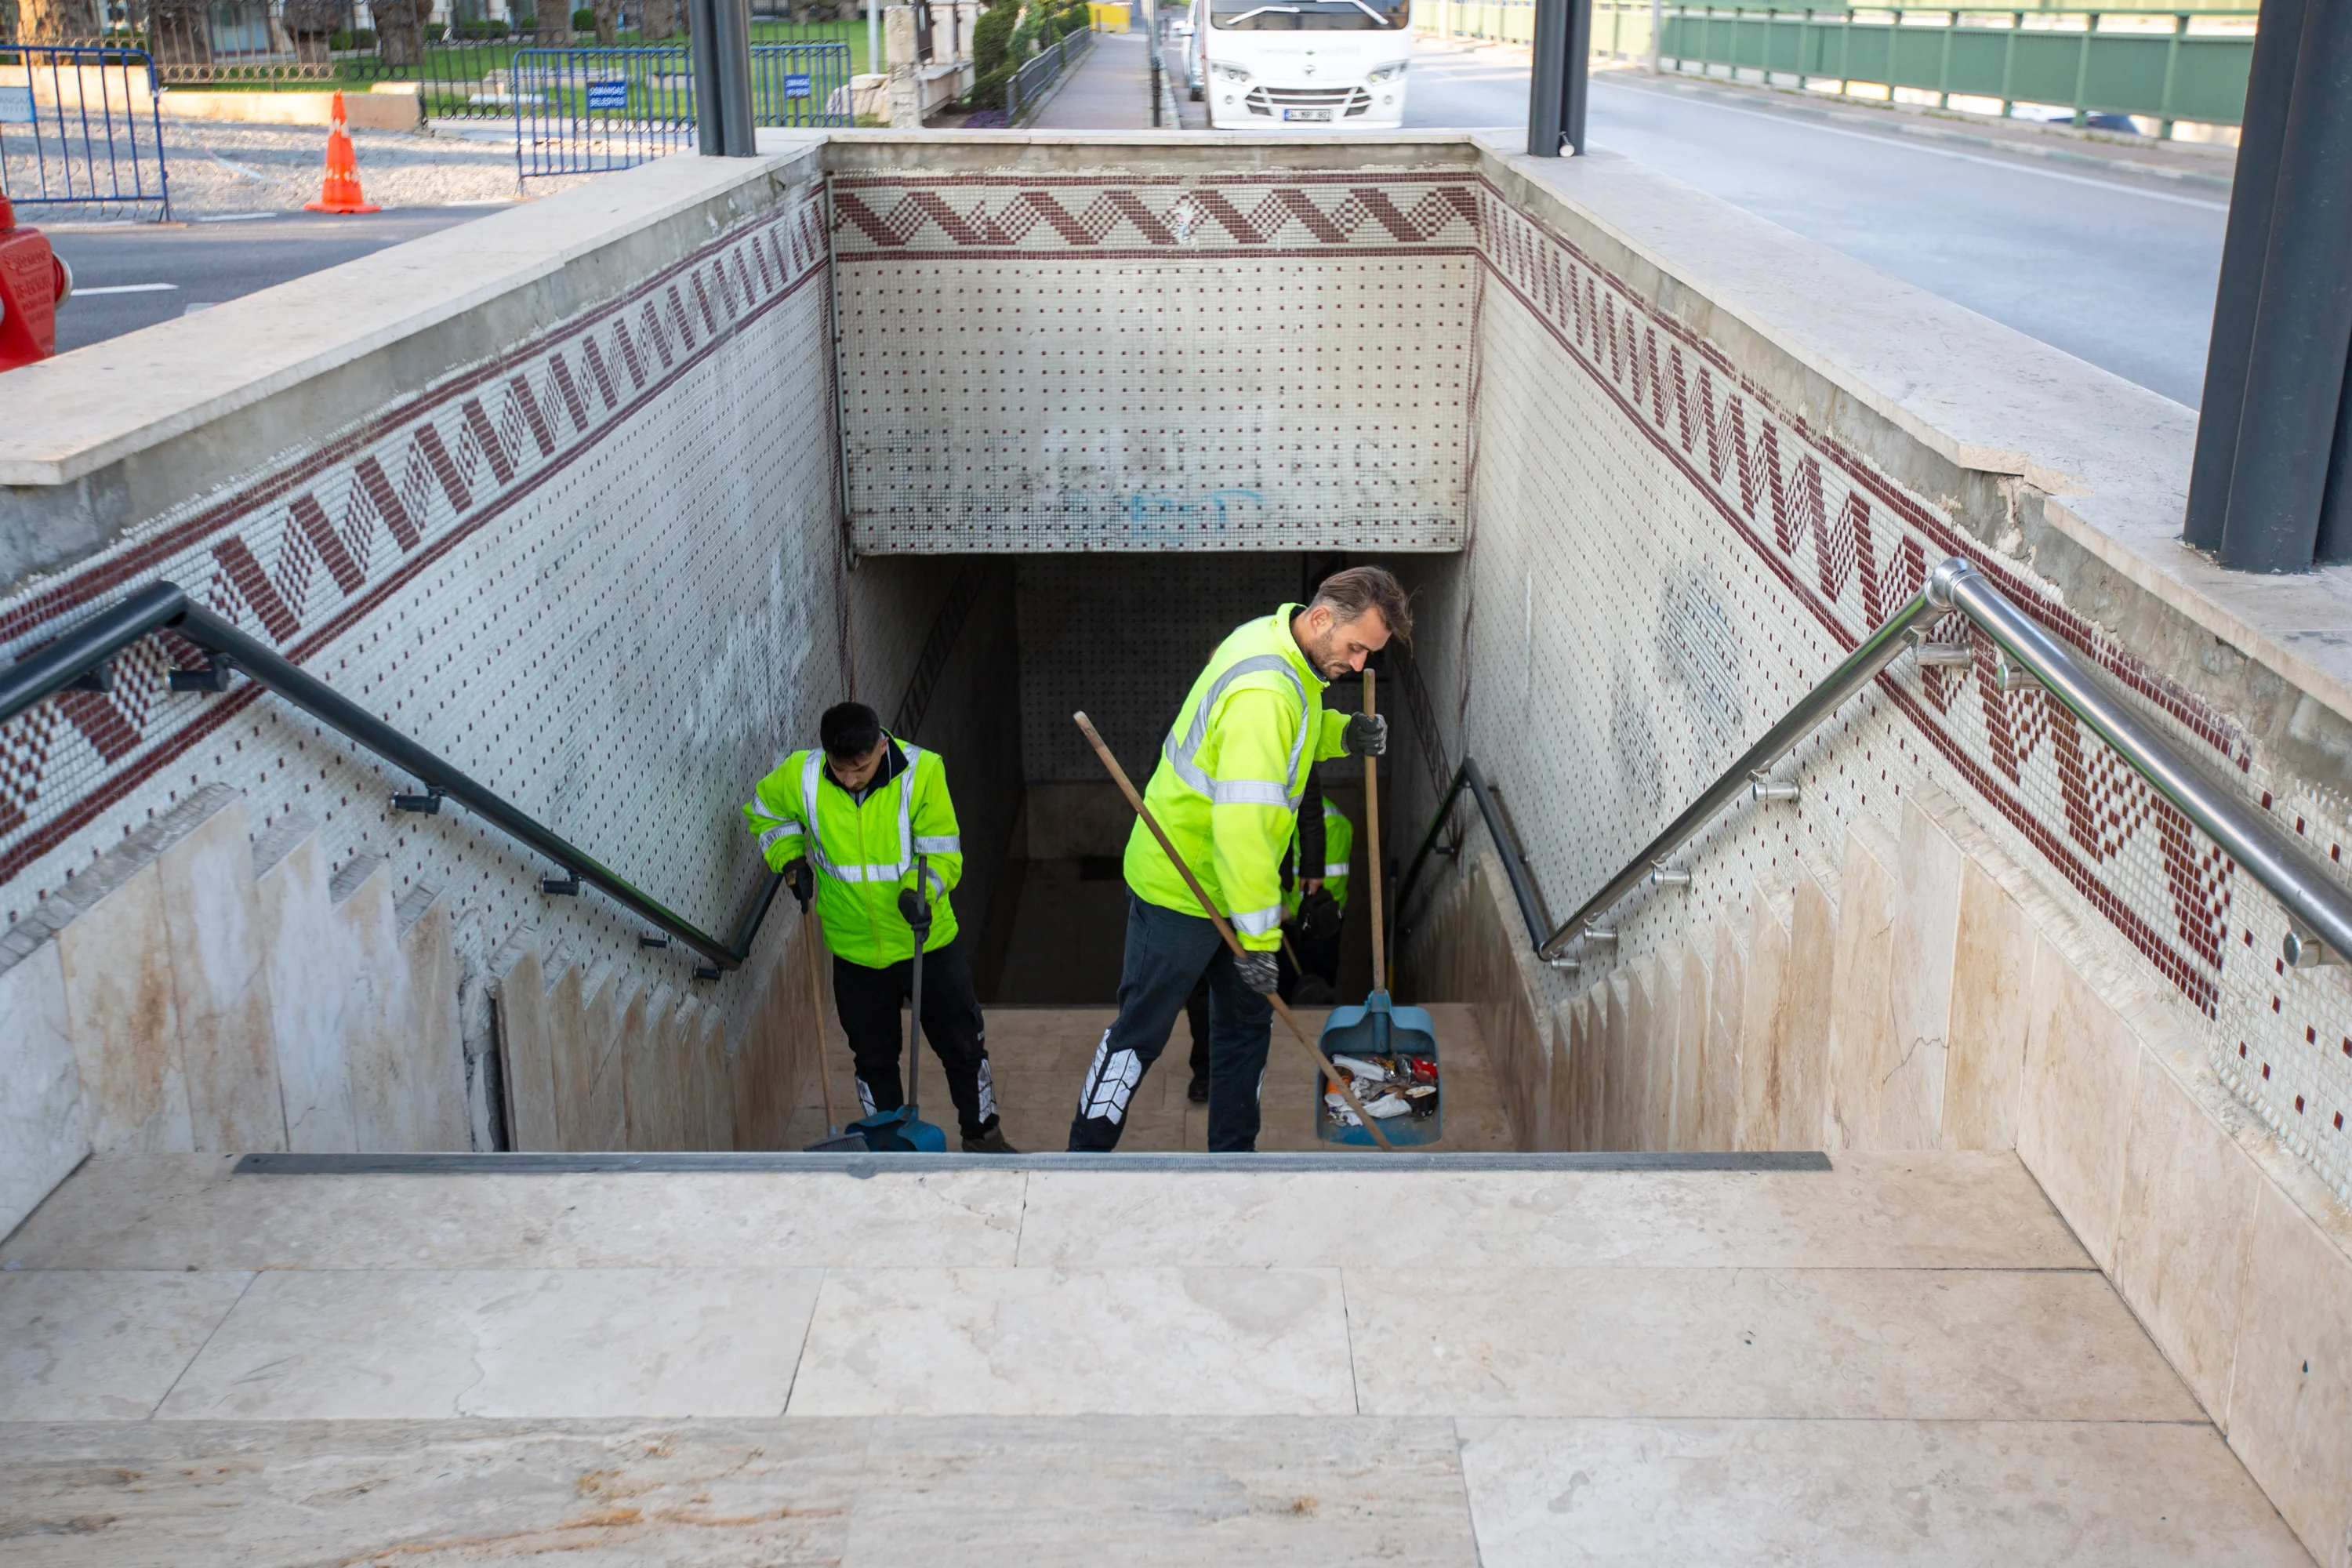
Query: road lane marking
(125, 288)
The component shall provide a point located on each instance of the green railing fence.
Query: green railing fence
(2184, 64)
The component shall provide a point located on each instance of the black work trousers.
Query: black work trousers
(867, 1001)
(1167, 952)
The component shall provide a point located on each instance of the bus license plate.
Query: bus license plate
(1306, 114)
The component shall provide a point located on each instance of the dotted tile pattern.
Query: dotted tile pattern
(579, 571)
(1203, 363)
(1662, 560)
(1124, 640)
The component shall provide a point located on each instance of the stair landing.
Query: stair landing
(1898, 1357)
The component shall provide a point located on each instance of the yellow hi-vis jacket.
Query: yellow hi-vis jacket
(1338, 838)
(863, 851)
(1230, 776)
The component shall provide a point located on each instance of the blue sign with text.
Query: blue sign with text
(796, 85)
(608, 94)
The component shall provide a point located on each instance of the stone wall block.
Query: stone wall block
(1654, 1048)
(375, 1013)
(438, 1113)
(1920, 995)
(1862, 1056)
(2081, 1065)
(220, 985)
(708, 1029)
(42, 1138)
(1718, 1111)
(2290, 1391)
(1561, 1112)
(601, 1009)
(1587, 1075)
(656, 1078)
(117, 965)
(1992, 966)
(1764, 1017)
(2182, 1229)
(1804, 1043)
(1619, 1096)
(1689, 1129)
(526, 1047)
(293, 924)
(571, 1062)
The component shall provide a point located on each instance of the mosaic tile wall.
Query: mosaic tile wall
(1660, 560)
(1155, 362)
(588, 572)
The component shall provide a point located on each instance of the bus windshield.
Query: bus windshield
(1309, 16)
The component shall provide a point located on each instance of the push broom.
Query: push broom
(1331, 1075)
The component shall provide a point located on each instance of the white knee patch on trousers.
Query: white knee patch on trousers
(865, 1096)
(987, 1091)
(1109, 1082)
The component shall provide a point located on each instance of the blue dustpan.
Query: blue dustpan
(899, 1132)
(1380, 1028)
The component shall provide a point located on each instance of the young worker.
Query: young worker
(875, 803)
(1226, 792)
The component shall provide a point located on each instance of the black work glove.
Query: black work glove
(1366, 735)
(911, 906)
(1257, 971)
(1319, 916)
(801, 881)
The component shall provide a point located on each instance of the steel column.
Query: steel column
(721, 52)
(1558, 90)
(2260, 494)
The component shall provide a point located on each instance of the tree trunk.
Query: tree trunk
(608, 26)
(658, 19)
(176, 33)
(399, 31)
(55, 21)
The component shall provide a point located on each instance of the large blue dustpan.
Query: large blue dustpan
(1380, 1028)
(903, 1131)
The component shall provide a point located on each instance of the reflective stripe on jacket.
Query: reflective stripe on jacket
(864, 851)
(1338, 838)
(1230, 772)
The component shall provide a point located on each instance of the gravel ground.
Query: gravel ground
(219, 168)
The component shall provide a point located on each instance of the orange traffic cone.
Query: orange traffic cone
(341, 192)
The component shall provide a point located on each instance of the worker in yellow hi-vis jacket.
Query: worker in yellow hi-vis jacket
(1227, 793)
(847, 823)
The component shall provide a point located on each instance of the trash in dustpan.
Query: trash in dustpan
(1390, 1055)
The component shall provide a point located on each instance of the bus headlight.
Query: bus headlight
(1388, 72)
(1224, 72)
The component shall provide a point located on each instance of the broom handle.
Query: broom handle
(1372, 845)
(1331, 1075)
(816, 1005)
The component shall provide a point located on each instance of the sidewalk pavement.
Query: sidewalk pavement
(1110, 90)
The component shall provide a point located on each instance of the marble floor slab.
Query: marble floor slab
(355, 1344)
(1830, 1493)
(1951, 1344)
(428, 1494)
(1872, 1211)
(77, 1346)
(189, 1211)
(1040, 1341)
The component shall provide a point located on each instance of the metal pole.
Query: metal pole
(1657, 32)
(733, 42)
(874, 37)
(2303, 324)
(2245, 246)
(1559, 85)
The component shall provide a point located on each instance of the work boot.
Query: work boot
(1197, 1091)
(989, 1142)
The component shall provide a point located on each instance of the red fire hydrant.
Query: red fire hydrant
(34, 281)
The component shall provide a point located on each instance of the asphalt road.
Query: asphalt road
(2110, 270)
(169, 269)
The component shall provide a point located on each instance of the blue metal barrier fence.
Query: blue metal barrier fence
(584, 110)
(80, 127)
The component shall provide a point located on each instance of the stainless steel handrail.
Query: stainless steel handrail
(164, 607)
(2320, 907)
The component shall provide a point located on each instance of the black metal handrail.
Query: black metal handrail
(81, 655)
(1523, 887)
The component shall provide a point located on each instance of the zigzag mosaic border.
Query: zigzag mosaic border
(301, 553)
(1824, 534)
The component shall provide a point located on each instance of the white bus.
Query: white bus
(1338, 65)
